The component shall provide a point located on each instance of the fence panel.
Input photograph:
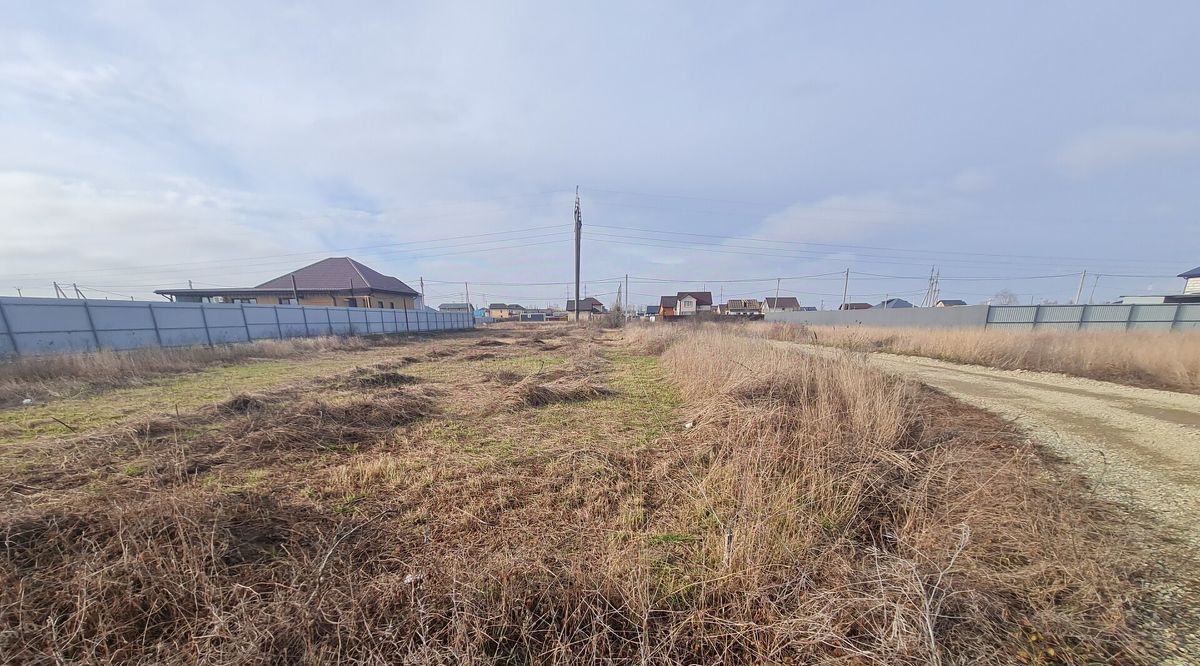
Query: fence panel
(33, 326)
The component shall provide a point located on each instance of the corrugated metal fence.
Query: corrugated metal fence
(33, 326)
(1168, 317)
(1155, 317)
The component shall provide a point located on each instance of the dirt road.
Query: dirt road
(1137, 444)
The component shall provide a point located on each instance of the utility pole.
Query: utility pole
(1079, 292)
(58, 293)
(190, 283)
(1092, 296)
(78, 294)
(467, 287)
(578, 233)
(18, 292)
(846, 287)
(295, 291)
(777, 281)
(422, 281)
(626, 303)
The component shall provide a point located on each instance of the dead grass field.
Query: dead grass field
(1169, 361)
(652, 494)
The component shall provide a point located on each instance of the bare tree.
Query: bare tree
(1004, 297)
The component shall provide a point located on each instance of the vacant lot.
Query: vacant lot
(1168, 361)
(557, 494)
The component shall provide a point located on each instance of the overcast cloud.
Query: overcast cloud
(146, 143)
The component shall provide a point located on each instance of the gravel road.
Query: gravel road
(1140, 445)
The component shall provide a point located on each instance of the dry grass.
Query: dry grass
(49, 376)
(810, 511)
(1168, 361)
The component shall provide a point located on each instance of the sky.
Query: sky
(719, 146)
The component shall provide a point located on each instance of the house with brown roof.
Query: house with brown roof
(689, 303)
(336, 281)
(505, 311)
(667, 305)
(781, 304)
(741, 307)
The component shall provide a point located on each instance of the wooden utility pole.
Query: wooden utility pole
(777, 281)
(845, 287)
(422, 281)
(1079, 292)
(578, 233)
(296, 292)
(1092, 296)
(467, 289)
(626, 303)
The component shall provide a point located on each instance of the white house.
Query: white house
(693, 302)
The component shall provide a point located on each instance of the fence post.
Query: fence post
(245, 322)
(1175, 317)
(8, 329)
(278, 327)
(1082, 316)
(304, 316)
(1129, 317)
(329, 320)
(204, 319)
(154, 320)
(406, 320)
(91, 324)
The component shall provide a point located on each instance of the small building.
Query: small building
(588, 307)
(461, 308)
(781, 304)
(336, 281)
(854, 306)
(1191, 284)
(948, 303)
(505, 311)
(689, 303)
(894, 303)
(741, 307)
(667, 305)
(651, 312)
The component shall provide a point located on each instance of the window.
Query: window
(243, 300)
(213, 299)
(351, 302)
(381, 304)
(287, 300)
(391, 305)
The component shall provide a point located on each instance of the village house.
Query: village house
(505, 311)
(741, 307)
(588, 307)
(336, 281)
(781, 304)
(462, 308)
(666, 306)
(949, 303)
(690, 303)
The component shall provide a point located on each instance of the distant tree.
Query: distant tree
(1004, 297)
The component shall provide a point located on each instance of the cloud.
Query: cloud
(1121, 147)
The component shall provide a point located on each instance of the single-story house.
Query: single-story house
(854, 306)
(781, 304)
(689, 303)
(741, 307)
(588, 307)
(893, 303)
(949, 303)
(463, 308)
(651, 312)
(667, 305)
(336, 281)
